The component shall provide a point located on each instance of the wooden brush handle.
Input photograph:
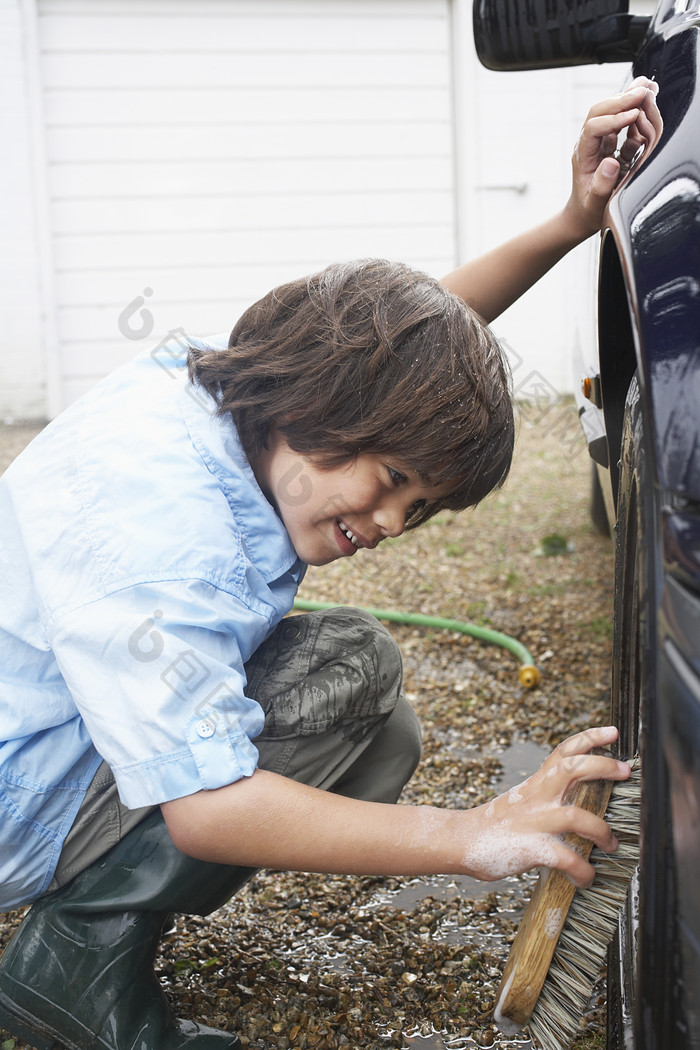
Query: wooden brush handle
(532, 950)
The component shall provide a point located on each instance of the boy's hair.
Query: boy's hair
(370, 356)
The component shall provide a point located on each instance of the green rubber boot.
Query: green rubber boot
(79, 970)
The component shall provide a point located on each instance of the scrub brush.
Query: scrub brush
(560, 949)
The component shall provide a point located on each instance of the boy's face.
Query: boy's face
(333, 513)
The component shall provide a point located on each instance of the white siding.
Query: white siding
(527, 124)
(200, 152)
(22, 389)
(174, 159)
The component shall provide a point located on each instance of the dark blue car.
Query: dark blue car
(641, 415)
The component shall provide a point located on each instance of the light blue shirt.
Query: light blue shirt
(140, 567)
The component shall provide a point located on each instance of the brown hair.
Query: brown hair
(370, 356)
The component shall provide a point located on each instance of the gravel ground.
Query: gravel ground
(302, 961)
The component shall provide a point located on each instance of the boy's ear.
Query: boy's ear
(275, 432)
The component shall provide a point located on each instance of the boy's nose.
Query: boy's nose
(390, 516)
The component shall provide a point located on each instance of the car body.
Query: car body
(641, 417)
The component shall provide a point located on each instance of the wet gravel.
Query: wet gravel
(308, 961)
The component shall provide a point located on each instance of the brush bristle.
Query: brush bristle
(580, 956)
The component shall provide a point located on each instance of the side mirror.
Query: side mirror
(543, 34)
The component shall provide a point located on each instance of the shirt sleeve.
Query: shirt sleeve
(157, 674)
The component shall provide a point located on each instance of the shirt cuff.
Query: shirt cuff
(211, 759)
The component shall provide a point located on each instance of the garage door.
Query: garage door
(200, 151)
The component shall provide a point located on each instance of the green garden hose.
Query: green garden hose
(528, 675)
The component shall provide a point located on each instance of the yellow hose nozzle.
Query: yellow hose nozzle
(529, 676)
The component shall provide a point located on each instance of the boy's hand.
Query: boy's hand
(597, 164)
(522, 829)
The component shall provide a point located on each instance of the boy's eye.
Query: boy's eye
(415, 508)
(397, 478)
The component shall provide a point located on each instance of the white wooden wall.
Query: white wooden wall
(200, 151)
(22, 358)
(184, 156)
(519, 175)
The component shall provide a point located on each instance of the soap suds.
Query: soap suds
(509, 1027)
(552, 922)
(500, 850)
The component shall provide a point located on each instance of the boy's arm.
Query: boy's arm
(493, 282)
(269, 821)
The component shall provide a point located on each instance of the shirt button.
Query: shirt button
(205, 729)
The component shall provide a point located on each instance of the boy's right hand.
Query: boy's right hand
(523, 828)
(596, 162)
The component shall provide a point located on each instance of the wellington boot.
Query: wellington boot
(79, 971)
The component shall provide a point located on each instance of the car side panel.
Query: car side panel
(655, 222)
(649, 323)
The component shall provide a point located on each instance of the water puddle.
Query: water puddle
(459, 926)
(434, 1042)
(519, 761)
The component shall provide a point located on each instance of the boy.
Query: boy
(166, 730)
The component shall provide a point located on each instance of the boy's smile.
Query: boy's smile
(332, 513)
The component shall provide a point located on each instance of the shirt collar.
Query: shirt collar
(216, 439)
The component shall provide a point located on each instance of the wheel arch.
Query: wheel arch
(649, 323)
(618, 356)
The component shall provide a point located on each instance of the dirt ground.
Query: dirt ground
(301, 961)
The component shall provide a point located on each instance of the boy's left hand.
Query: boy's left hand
(597, 163)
